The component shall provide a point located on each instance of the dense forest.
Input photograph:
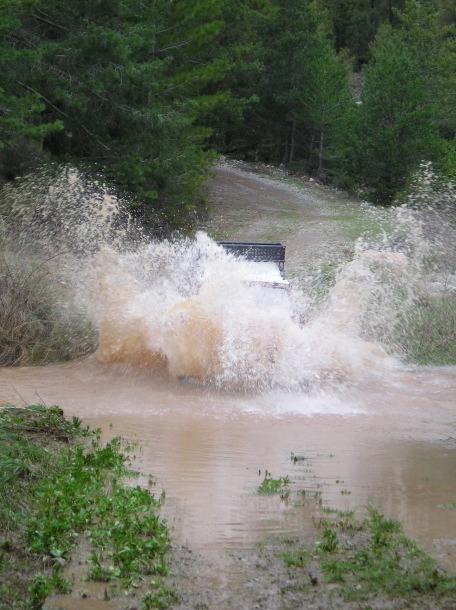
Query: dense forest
(356, 93)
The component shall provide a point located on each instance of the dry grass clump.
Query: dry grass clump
(38, 321)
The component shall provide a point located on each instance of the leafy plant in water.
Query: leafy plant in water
(159, 600)
(270, 486)
(42, 586)
(450, 506)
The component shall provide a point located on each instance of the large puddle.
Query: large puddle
(273, 379)
(390, 442)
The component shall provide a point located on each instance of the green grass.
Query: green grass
(296, 559)
(329, 542)
(358, 224)
(372, 557)
(59, 485)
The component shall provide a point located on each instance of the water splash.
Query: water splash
(188, 308)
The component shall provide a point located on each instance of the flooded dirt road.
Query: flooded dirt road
(381, 433)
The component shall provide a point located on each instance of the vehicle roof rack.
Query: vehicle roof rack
(259, 252)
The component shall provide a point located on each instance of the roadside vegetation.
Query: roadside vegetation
(37, 323)
(428, 335)
(62, 490)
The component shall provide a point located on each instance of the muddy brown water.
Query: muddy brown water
(383, 438)
(388, 442)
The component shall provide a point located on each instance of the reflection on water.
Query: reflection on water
(388, 443)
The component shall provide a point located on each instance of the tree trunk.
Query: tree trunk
(310, 159)
(320, 156)
(292, 143)
(285, 152)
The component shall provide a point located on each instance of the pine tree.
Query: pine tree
(404, 101)
(21, 109)
(128, 82)
(304, 94)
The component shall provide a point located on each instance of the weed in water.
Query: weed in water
(161, 599)
(270, 486)
(372, 559)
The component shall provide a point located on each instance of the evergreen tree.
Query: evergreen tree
(127, 81)
(304, 93)
(241, 45)
(447, 9)
(404, 98)
(325, 100)
(20, 108)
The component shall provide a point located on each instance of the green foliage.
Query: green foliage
(270, 486)
(447, 11)
(356, 23)
(302, 99)
(241, 46)
(21, 109)
(329, 541)
(405, 100)
(296, 559)
(138, 90)
(119, 84)
(42, 586)
(158, 600)
(450, 506)
(385, 562)
(363, 559)
(65, 492)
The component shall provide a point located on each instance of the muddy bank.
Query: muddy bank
(65, 502)
(294, 573)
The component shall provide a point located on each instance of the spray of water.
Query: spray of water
(188, 308)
